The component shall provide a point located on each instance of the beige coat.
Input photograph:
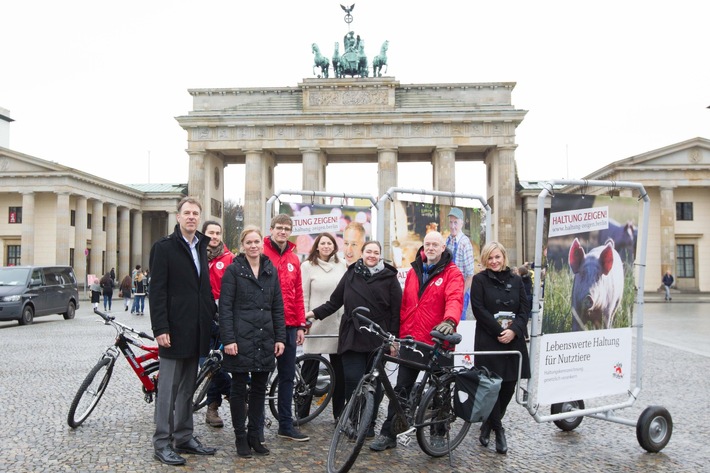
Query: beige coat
(319, 281)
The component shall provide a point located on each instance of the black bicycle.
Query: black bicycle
(310, 396)
(428, 411)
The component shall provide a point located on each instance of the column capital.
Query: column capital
(309, 149)
(387, 149)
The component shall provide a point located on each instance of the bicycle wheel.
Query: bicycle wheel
(435, 418)
(349, 434)
(202, 385)
(311, 396)
(90, 392)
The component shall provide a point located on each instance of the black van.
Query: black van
(30, 291)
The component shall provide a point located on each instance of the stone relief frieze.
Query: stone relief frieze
(325, 98)
(222, 134)
(203, 133)
(476, 130)
(694, 155)
(319, 131)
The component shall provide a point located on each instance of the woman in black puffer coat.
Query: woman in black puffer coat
(494, 290)
(253, 332)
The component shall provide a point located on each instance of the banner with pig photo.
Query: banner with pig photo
(589, 293)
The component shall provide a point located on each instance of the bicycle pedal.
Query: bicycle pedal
(406, 437)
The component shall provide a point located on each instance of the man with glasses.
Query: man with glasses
(462, 251)
(282, 255)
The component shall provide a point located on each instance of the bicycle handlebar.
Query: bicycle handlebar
(407, 341)
(110, 320)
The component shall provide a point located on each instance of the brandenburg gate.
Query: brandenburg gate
(354, 120)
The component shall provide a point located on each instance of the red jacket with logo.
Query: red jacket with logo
(217, 268)
(289, 268)
(424, 306)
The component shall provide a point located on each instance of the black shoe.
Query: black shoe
(370, 432)
(256, 445)
(501, 442)
(168, 456)
(243, 449)
(195, 447)
(485, 436)
(293, 434)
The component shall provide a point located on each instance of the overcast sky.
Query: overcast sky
(97, 85)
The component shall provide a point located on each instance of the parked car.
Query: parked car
(27, 292)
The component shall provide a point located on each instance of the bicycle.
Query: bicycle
(94, 385)
(428, 411)
(315, 393)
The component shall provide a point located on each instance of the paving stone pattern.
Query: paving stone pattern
(44, 364)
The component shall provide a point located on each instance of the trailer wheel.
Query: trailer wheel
(570, 423)
(654, 428)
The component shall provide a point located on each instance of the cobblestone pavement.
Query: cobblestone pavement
(43, 365)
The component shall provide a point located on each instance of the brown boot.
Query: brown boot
(212, 418)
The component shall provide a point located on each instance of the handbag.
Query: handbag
(475, 393)
(120, 293)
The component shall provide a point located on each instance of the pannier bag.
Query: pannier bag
(475, 393)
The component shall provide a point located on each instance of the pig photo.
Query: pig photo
(598, 285)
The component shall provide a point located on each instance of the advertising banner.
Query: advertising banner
(310, 220)
(589, 290)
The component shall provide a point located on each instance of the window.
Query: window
(88, 221)
(72, 218)
(14, 252)
(103, 224)
(15, 215)
(684, 211)
(685, 261)
(71, 257)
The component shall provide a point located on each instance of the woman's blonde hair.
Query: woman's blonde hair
(248, 229)
(489, 248)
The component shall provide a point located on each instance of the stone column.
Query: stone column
(172, 221)
(80, 235)
(504, 198)
(387, 177)
(444, 162)
(258, 186)
(137, 248)
(112, 237)
(27, 242)
(530, 209)
(667, 230)
(63, 228)
(313, 170)
(97, 241)
(196, 184)
(124, 242)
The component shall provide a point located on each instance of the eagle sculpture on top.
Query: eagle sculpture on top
(347, 9)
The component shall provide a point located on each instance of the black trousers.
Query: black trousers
(507, 389)
(238, 401)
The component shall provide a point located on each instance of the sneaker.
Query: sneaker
(438, 441)
(383, 442)
(126, 309)
(293, 434)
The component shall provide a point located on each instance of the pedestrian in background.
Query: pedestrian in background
(95, 289)
(107, 288)
(125, 290)
(667, 283)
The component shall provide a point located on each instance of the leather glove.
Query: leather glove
(446, 327)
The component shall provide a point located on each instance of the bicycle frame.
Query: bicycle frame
(139, 364)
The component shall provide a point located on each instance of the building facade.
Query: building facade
(54, 214)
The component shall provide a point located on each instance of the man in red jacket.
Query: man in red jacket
(281, 253)
(432, 300)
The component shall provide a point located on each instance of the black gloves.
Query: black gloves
(446, 327)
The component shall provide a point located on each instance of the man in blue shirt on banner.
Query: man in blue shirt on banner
(460, 247)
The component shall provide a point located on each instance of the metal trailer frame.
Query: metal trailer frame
(401, 190)
(654, 427)
(312, 195)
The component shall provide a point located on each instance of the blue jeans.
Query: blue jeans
(107, 301)
(668, 291)
(286, 364)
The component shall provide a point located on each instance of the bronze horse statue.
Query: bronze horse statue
(336, 61)
(320, 61)
(380, 60)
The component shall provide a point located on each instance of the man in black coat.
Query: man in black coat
(181, 313)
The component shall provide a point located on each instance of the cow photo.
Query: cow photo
(589, 278)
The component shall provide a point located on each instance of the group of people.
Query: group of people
(135, 285)
(266, 300)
